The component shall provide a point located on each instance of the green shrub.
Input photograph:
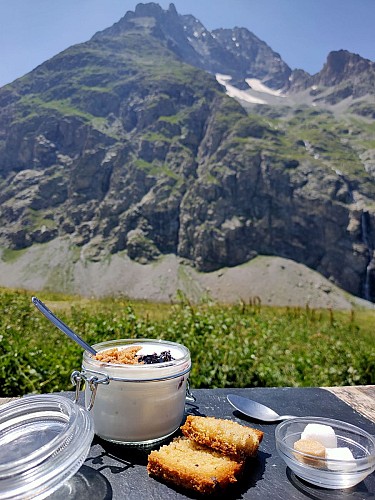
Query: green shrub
(231, 346)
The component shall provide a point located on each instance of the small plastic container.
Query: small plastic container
(327, 472)
(137, 404)
(44, 440)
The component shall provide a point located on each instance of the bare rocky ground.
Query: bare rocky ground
(270, 280)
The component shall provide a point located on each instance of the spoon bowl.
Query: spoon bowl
(255, 410)
(61, 325)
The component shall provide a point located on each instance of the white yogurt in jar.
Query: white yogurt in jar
(141, 403)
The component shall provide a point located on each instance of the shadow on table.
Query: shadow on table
(359, 491)
(117, 457)
(192, 408)
(251, 420)
(87, 483)
(120, 457)
(254, 470)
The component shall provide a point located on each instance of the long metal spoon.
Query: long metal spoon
(61, 325)
(255, 410)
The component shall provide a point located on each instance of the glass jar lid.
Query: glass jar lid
(44, 440)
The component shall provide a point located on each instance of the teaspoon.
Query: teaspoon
(255, 410)
(61, 325)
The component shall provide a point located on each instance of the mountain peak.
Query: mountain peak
(236, 52)
(153, 9)
(252, 58)
(172, 9)
(343, 75)
(341, 65)
(148, 9)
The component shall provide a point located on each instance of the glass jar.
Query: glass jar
(136, 404)
(44, 440)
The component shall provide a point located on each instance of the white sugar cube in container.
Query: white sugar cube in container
(322, 433)
(342, 454)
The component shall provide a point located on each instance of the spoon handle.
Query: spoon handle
(61, 325)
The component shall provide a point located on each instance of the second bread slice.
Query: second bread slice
(225, 436)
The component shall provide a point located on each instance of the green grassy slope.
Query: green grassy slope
(236, 346)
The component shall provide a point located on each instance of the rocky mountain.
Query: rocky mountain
(129, 145)
(344, 75)
(235, 51)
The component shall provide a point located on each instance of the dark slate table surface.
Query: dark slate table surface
(117, 472)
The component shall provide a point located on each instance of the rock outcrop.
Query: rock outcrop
(344, 75)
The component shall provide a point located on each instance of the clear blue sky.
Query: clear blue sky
(303, 32)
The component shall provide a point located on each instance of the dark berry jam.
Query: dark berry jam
(150, 359)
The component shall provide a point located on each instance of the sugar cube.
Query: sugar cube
(343, 454)
(322, 433)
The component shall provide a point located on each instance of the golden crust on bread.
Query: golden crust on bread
(190, 465)
(225, 436)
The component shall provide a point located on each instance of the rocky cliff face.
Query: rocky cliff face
(128, 143)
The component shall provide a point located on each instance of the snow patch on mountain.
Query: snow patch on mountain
(233, 91)
(258, 86)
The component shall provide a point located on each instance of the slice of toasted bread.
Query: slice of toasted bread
(190, 465)
(225, 436)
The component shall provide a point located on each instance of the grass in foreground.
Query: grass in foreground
(231, 346)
